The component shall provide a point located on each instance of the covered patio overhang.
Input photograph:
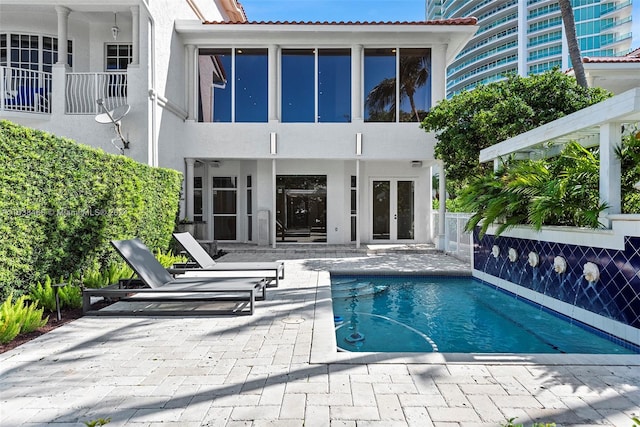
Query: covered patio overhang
(602, 124)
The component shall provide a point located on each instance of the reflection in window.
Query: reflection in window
(298, 93)
(251, 85)
(380, 85)
(334, 85)
(415, 84)
(214, 66)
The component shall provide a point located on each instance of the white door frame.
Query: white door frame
(393, 208)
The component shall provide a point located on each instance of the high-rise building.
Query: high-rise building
(527, 36)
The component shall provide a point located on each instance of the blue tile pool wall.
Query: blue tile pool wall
(616, 295)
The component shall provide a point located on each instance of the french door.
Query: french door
(392, 209)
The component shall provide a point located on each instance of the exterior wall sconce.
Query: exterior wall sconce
(358, 144)
(591, 272)
(273, 143)
(115, 30)
(559, 265)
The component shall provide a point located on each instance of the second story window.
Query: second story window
(118, 56)
(310, 96)
(31, 52)
(384, 84)
(233, 85)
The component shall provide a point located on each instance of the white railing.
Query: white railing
(457, 241)
(25, 91)
(83, 90)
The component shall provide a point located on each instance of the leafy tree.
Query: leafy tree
(473, 120)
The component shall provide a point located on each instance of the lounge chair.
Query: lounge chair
(204, 262)
(162, 287)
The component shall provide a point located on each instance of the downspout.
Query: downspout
(152, 157)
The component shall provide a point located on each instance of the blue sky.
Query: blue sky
(358, 10)
(334, 10)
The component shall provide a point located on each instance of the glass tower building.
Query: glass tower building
(527, 36)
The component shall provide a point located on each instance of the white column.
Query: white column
(358, 198)
(610, 169)
(191, 82)
(356, 83)
(273, 95)
(188, 188)
(442, 210)
(438, 74)
(135, 34)
(63, 37)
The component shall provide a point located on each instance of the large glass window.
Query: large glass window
(380, 85)
(304, 94)
(334, 85)
(301, 208)
(225, 208)
(197, 199)
(298, 81)
(31, 52)
(415, 84)
(251, 93)
(231, 77)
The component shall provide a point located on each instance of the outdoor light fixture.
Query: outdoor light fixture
(358, 144)
(416, 163)
(273, 139)
(115, 30)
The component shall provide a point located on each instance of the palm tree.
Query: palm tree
(414, 73)
(572, 42)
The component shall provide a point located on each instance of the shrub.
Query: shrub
(42, 294)
(112, 273)
(19, 318)
(62, 202)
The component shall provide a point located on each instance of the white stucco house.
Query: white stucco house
(285, 131)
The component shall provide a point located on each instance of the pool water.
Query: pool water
(452, 315)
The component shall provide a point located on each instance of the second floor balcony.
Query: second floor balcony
(31, 92)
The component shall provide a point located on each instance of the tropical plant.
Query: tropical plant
(97, 422)
(19, 317)
(510, 423)
(629, 154)
(96, 277)
(477, 119)
(69, 296)
(559, 191)
(381, 100)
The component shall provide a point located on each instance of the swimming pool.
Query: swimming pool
(452, 315)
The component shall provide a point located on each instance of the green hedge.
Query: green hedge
(62, 202)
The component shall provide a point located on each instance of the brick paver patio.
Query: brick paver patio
(279, 368)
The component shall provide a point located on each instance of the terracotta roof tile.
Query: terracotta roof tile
(455, 21)
(610, 60)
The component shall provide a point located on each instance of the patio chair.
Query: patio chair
(274, 271)
(162, 287)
